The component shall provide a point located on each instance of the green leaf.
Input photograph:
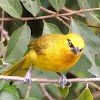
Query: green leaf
(34, 90)
(92, 44)
(33, 6)
(11, 89)
(8, 92)
(50, 28)
(64, 92)
(2, 83)
(31, 98)
(17, 45)
(57, 4)
(53, 90)
(1, 62)
(86, 95)
(82, 66)
(89, 4)
(44, 74)
(6, 95)
(12, 7)
(97, 59)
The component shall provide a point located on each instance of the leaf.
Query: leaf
(64, 92)
(86, 95)
(44, 74)
(33, 6)
(53, 90)
(92, 44)
(2, 83)
(12, 7)
(31, 98)
(11, 89)
(1, 62)
(34, 90)
(57, 4)
(82, 66)
(6, 95)
(50, 28)
(97, 56)
(17, 45)
(89, 4)
(97, 59)
(9, 92)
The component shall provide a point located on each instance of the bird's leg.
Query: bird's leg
(28, 75)
(62, 80)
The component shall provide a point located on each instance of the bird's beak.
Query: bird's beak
(76, 50)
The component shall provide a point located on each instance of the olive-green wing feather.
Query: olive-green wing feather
(16, 69)
(44, 42)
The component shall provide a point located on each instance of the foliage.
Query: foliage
(45, 21)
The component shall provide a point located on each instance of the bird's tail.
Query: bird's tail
(17, 70)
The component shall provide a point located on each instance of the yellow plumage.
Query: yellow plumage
(51, 52)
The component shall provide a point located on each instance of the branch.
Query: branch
(48, 16)
(5, 34)
(93, 26)
(58, 18)
(45, 80)
(28, 91)
(79, 11)
(96, 95)
(2, 24)
(45, 92)
(70, 11)
(94, 85)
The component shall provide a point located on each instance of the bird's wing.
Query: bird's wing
(44, 42)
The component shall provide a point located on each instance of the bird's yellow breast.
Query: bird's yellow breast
(54, 62)
(55, 58)
(52, 52)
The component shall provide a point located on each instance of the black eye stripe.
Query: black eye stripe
(70, 44)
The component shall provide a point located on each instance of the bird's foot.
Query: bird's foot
(62, 81)
(28, 76)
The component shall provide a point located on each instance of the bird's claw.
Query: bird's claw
(62, 81)
(28, 78)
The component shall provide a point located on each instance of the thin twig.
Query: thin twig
(28, 91)
(96, 95)
(2, 24)
(64, 17)
(48, 16)
(87, 85)
(96, 86)
(51, 12)
(93, 26)
(61, 20)
(45, 92)
(17, 78)
(70, 11)
(5, 34)
(74, 74)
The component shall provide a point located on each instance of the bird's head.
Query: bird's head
(76, 43)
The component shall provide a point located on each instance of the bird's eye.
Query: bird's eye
(70, 44)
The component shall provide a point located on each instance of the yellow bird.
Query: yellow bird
(51, 52)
